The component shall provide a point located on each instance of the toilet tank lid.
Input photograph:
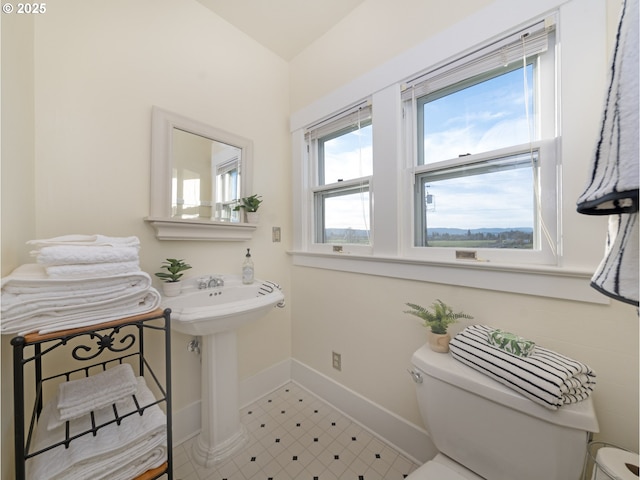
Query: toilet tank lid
(444, 367)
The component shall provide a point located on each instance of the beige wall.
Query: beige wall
(360, 316)
(78, 86)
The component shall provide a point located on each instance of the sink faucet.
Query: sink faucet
(215, 282)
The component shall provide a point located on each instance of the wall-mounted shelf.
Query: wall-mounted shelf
(208, 230)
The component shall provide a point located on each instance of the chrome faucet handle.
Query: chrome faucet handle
(203, 282)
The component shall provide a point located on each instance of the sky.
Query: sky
(487, 116)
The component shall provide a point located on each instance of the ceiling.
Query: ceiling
(285, 27)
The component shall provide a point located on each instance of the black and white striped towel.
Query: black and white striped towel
(545, 377)
(613, 185)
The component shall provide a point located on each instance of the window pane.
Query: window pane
(345, 216)
(346, 154)
(486, 205)
(478, 115)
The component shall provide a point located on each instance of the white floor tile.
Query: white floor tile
(293, 435)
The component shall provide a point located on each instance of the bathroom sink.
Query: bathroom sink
(206, 311)
(214, 307)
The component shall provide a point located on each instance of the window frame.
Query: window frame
(342, 123)
(568, 278)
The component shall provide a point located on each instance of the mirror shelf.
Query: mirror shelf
(192, 229)
(198, 173)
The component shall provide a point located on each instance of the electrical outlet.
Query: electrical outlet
(337, 361)
(275, 234)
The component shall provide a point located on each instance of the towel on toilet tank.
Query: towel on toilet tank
(545, 377)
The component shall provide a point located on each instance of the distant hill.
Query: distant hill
(462, 231)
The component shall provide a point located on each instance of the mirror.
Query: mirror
(198, 173)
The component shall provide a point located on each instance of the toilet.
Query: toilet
(484, 430)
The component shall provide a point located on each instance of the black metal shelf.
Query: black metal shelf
(104, 345)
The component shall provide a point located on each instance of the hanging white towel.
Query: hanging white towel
(613, 186)
(545, 377)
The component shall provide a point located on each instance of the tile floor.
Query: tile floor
(293, 435)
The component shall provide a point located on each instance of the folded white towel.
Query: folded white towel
(25, 296)
(92, 270)
(90, 240)
(80, 254)
(116, 452)
(79, 397)
(91, 314)
(545, 377)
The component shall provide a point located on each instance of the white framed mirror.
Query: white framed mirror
(198, 172)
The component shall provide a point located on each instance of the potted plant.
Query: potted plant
(250, 205)
(172, 285)
(438, 318)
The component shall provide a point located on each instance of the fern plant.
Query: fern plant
(438, 318)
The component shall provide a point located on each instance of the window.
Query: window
(482, 127)
(340, 151)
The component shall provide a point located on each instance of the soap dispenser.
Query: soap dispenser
(247, 268)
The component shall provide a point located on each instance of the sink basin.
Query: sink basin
(215, 313)
(224, 308)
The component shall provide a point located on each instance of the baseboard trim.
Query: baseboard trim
(411, 440)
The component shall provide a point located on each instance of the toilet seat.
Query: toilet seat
(442, 468)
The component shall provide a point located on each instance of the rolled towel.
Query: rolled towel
(545, 377)
(510, 343)
(79, 397)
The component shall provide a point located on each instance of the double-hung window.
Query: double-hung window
(482, 153)
(340, 155)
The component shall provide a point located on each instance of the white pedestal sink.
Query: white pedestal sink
(215, 313)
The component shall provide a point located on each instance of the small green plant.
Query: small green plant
(250, 204)
(173, 267)
(438, 318)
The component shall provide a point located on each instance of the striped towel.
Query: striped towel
(545, 377)
(614, 182)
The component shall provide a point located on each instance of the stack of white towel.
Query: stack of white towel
(78, 280)
(116, 452)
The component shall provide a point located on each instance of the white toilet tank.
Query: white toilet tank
(493, 430)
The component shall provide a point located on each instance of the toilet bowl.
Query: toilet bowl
(443, 468)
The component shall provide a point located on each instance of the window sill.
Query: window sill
(180, 229)
(544, 281)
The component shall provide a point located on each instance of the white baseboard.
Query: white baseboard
(411, 440)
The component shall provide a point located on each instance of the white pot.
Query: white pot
(253, 217)
(171, 289)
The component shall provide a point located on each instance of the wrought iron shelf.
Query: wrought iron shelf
(92, 349)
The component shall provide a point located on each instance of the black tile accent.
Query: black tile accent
(253, 459)
(277, 440)
(360, 477)
(315, 439)
(297, 424)
(262, 425)
(353, 439)
(283, 411)
(333, 424)
(377, 455)
(295, 458)
(336, 457)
